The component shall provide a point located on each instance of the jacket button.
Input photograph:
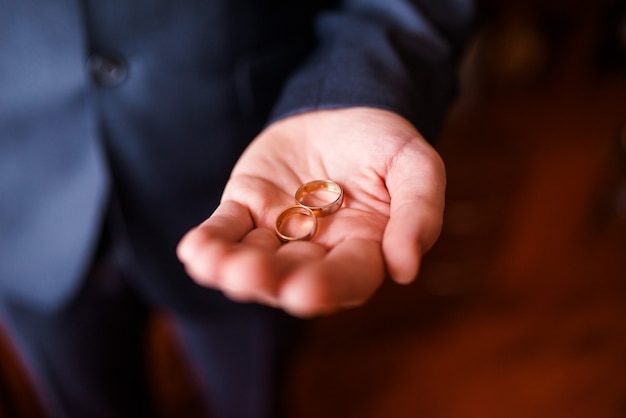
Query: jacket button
(107, 70)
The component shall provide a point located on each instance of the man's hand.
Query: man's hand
(394, 184)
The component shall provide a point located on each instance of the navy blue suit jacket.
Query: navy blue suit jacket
(151, 150)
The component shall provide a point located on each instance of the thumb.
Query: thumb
(416, 185)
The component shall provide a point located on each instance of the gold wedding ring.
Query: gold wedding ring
(314, 196)
(290, 215)
(314, 199)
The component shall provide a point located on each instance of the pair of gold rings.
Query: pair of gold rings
(313, 199)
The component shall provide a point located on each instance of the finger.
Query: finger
(249, 274)
(255, 273)
(407, 237)
(415, 221)
(203, 248)
(348, 276)
(297, 254)
(230, 221)
(262, 238)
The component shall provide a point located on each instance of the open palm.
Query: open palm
(394, 192)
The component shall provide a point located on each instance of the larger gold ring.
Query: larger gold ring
(290, 212)
(309, 189)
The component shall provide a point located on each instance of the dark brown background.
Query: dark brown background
(520, 310)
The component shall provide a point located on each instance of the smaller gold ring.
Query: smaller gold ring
(316, 185)
(292, 211)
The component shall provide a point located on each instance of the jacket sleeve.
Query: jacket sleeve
(399, 55)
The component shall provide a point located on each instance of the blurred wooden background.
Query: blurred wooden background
(520, 309)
